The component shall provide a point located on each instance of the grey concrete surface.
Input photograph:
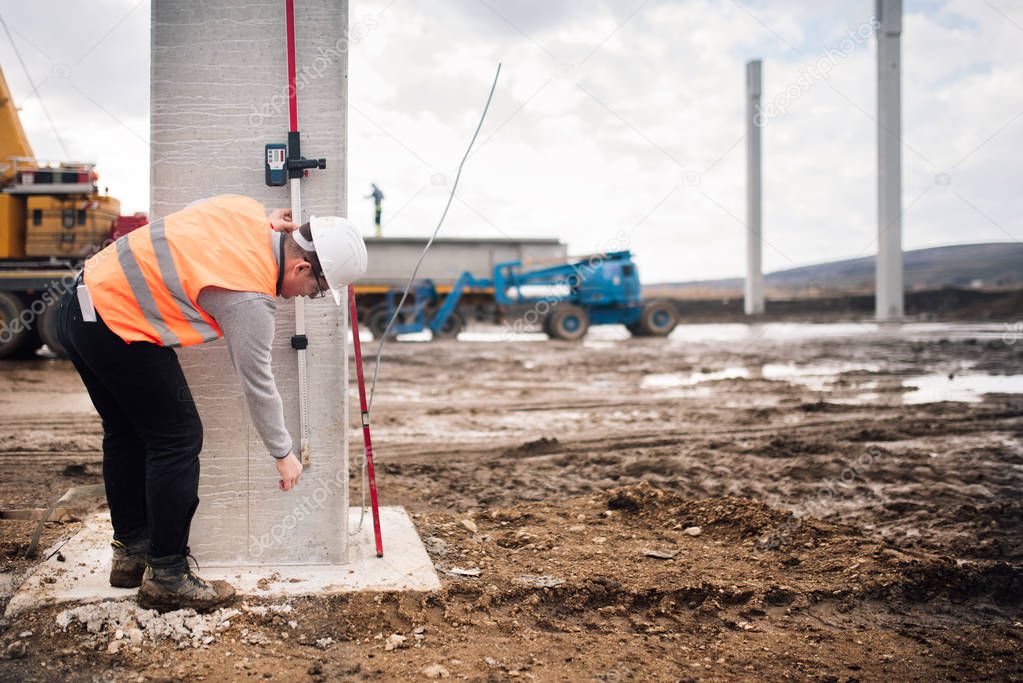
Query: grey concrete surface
(219, 94)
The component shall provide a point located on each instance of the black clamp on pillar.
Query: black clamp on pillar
(296, 165)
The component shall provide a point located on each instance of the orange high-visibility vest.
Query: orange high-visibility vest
(146, 284)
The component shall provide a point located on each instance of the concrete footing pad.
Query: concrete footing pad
(83, 575)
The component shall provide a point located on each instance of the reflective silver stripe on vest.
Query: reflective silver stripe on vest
(144, 297)
(172, 280)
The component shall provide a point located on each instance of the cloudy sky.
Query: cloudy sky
(612, 117)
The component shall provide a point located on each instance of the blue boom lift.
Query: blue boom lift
(602, 289)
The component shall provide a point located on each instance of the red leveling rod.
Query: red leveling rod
(296, 165)
(353, 313)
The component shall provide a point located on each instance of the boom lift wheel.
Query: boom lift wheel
(377, 319)
(452, 326)
(658, 319)
(569, 322)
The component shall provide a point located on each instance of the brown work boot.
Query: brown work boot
(128, 563)
(170, 584)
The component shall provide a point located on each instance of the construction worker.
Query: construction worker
(378, 197)
(210, 270)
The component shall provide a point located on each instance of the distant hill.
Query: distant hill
(984, 266)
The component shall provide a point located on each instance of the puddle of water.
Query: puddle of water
(673, 380)
(935, 387)
(813, 377)
(816, 377)
(968, 388)
(791, 370)
(930, 388)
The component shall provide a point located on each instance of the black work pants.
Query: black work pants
(152, 434)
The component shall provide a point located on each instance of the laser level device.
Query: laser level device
(276, 173)
(284, 162)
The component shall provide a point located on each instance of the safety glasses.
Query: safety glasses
(317, 276)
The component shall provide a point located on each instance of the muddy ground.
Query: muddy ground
(766, 502)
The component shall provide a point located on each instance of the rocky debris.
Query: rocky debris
(264, 584)
(324, 643)
(263, 610)
(16, 650)
(436, 546)
(394, 641)
(660, 554)
(127, 623)
(692, 531)
(470, 525)
(253, 637)
(544, 581)
(458, 571)
(634, 498)
(435, 671)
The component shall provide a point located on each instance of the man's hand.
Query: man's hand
(290, 470)
(280, 220)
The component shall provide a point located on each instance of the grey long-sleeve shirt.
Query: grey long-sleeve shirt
(247, 321)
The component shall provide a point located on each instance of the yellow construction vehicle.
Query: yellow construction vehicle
(52, 217)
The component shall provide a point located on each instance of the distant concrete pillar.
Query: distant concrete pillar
(888, 299)
(219, 94)
(754, 290)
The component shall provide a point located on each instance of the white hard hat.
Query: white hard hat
(341, 251)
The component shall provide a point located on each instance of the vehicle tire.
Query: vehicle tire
(658, 319)
(47, 328)
(376, 321)
(636, 329)
(569, 322)
(14, 336)
(452, 326)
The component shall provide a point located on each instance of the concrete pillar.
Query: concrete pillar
(219, 94)
(754, 289)
(889, 288)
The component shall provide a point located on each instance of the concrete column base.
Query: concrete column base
(83, 576)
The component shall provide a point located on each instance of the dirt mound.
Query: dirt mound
(540, 446)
